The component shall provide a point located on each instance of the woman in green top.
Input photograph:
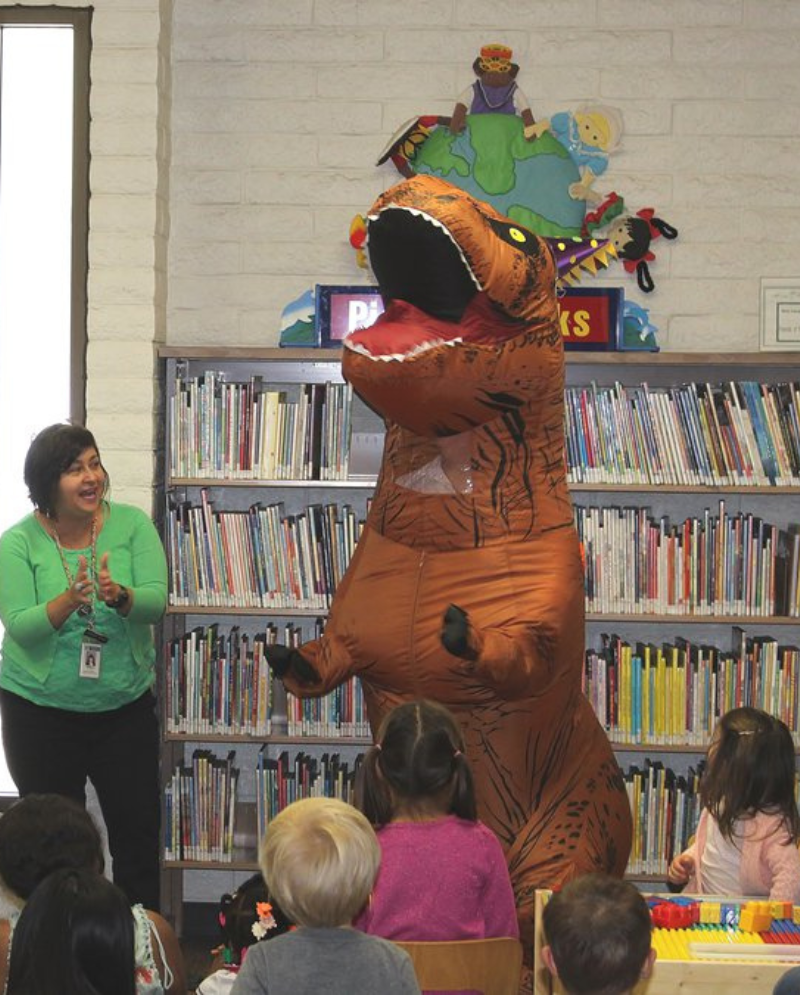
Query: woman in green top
(82, 581)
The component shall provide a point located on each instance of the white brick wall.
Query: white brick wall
(272, 114)
(281, 109)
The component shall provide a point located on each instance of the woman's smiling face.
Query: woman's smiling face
(81, 486)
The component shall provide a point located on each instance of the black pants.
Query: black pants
(52, 751)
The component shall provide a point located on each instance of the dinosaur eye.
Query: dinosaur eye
(515, 235)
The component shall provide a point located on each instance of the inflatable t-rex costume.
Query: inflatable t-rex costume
(466, 366)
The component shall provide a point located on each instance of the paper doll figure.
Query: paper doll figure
(495, 91)
(589, 135)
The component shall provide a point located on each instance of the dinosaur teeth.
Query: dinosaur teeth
(398, 357)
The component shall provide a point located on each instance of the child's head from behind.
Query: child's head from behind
(750, 769)
(42, 833)
(320, 858)
(248, 915)
(597, 932)
(75, 935)
(417, 766)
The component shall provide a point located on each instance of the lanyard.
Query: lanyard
(85, 611)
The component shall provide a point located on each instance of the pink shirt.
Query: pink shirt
(769, 866)
(440, 880)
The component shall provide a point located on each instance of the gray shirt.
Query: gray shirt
(326, 962)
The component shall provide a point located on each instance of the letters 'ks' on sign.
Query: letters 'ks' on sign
(340, 310)
(591, 318)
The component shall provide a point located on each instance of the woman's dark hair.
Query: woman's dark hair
(75, 937)
(50, 454)
(238, 913)
(750, 769)
(43, 833)
(417, 760)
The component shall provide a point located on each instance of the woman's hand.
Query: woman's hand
(106, 588)
(681, 869)
(78, 595)
(110, 591)
(80, 590)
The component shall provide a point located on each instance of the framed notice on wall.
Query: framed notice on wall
(591, 318)
(341, 310)
(780, 314)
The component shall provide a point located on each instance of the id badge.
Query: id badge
(91, 654)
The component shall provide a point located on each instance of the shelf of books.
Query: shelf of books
(269, 462)
(685, 471)
(738, 434)
(717, 563)
(671, 695)
(218, 684)
(204, 813)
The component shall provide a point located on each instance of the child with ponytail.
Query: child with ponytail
(443, 875)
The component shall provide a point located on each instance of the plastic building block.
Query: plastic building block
(780, 910)
(710, 912)
(755, 917)
(669, 915)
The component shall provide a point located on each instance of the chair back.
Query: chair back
(489, 966)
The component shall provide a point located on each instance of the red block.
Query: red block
(667, 915)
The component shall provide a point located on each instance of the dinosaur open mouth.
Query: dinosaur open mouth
(432, 296)
(416, 259)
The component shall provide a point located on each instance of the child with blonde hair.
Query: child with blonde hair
(319, 858)
(746, 842)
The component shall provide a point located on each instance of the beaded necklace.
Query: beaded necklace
(85, 611)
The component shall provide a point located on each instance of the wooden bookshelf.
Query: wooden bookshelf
(656, 619)
(274, 739)
(710, 489)
(779, 360)
(774, 503)
(291, 369)
(659, 370)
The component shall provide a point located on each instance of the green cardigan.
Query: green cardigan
(31, 574)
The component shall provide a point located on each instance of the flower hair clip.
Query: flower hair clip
(266, 920)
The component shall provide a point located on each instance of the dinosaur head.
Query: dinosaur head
(437, 249)
(463, 287)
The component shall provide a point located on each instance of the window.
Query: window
(44, 163)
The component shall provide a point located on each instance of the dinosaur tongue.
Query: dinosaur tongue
(403, 331)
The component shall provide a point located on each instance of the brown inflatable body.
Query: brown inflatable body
(472, 508)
